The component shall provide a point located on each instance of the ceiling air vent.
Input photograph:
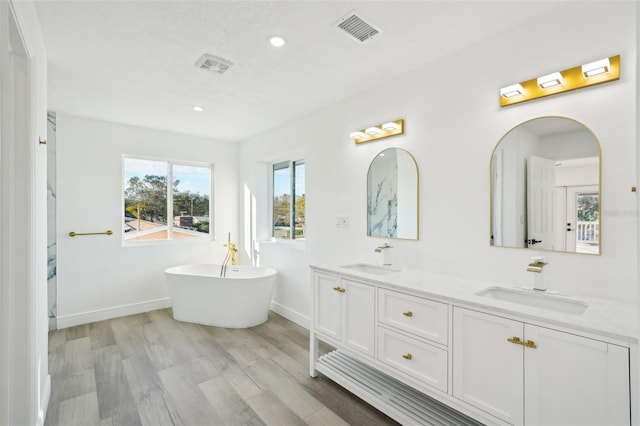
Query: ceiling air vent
(213, 63)
(357, 28)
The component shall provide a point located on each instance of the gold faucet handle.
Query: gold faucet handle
(385, 246)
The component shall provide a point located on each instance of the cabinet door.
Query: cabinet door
(359, 316)
(327, 301)
(573, 380)
(487, 369)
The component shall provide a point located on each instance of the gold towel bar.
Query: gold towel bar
(75, 234)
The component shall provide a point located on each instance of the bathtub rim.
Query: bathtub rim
(269, 271)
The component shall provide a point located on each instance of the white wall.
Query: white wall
(577, 175)
(453, 121)
(98, 278)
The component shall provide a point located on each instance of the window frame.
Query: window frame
(170, 214)
(291, 165)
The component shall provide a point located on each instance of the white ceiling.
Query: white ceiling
(134, 61)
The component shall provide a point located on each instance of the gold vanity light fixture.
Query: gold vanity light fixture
(590, 74)
(379, 131)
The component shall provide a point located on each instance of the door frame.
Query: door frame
(20, 391)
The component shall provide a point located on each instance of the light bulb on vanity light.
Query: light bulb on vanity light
(357, 135)
(550, 80)
(596, 68)
(511, 91)
(373, 131)
(391, 126)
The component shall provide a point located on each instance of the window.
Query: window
(587, 223)
(289, 184)
(155, 211)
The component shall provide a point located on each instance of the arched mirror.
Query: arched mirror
(392, 195)
(545, 187)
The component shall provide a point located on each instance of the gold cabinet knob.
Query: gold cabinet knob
(515, 340)
(530, 344)
(407, 357)
(339, 289)
(408, 314)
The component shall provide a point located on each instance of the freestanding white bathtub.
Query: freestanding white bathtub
(240, 299)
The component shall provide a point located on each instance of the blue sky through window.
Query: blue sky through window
(192, 178)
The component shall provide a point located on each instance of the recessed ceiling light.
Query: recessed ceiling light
(277, 41)
(198, 108)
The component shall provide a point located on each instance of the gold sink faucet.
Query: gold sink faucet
(536, 265)
(385, 253)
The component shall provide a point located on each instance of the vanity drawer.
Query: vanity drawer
(416, 315)
(420, 360)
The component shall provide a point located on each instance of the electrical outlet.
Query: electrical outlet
(342, 221)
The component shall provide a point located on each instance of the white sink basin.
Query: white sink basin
(536, 299)
(372, 269)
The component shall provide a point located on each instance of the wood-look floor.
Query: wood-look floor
(150, 369)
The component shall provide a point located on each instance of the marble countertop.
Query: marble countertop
(608, 318)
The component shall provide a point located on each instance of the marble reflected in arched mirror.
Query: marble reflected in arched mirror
(545, 187)
(392, 195)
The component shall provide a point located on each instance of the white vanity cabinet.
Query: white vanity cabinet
(344, 311)
(532, 375)
(430, 352)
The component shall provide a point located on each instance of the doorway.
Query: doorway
(577, 219)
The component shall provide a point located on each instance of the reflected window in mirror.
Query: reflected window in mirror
(545, 187)
(392, 195)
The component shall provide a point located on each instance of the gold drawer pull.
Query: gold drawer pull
(339, 289)
(515, 340)
(528, 344)
(407, 356)
(408, 314)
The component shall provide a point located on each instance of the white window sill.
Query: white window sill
(176, 241)
(297, 244)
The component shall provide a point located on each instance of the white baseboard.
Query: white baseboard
(291, 315)
(44, 400)
(113, 312)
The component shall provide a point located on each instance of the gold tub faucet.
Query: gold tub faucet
(233, 250)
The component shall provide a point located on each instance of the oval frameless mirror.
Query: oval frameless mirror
(545, 187)
(392, 195)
